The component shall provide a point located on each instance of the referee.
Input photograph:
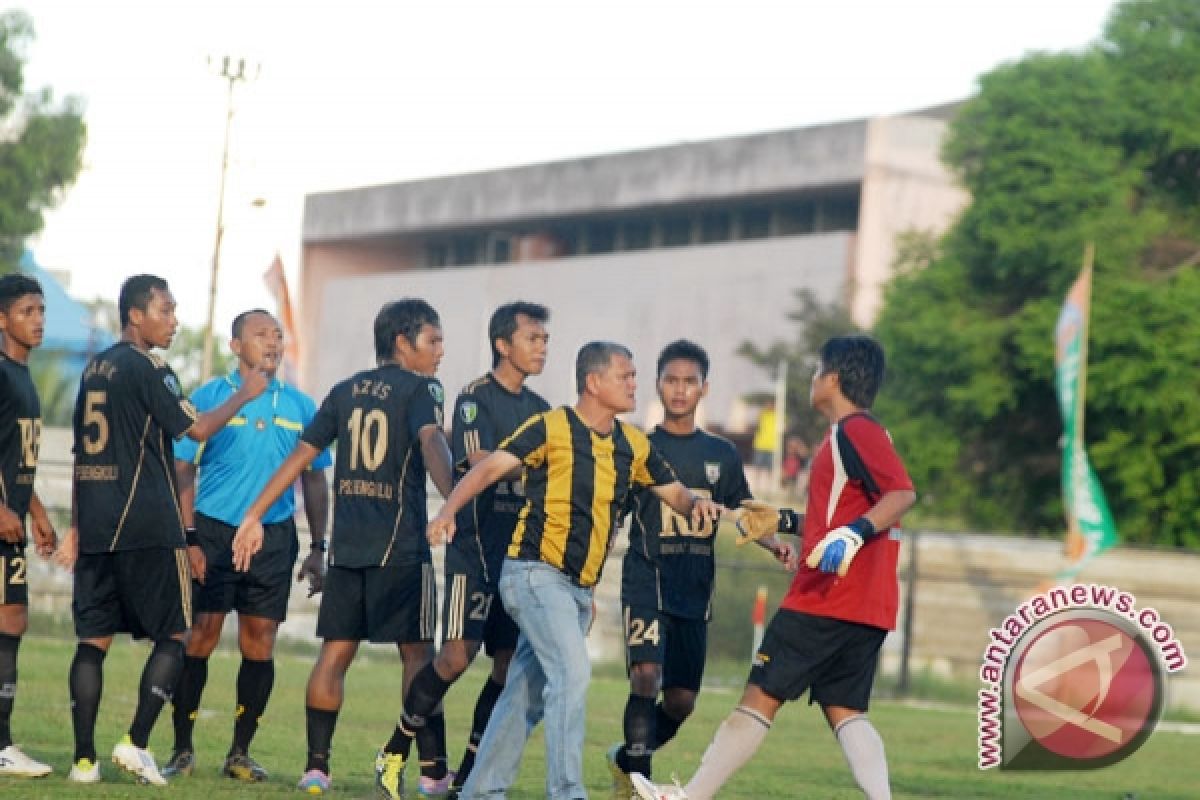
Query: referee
(232, 468)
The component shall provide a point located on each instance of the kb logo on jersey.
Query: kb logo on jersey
(435, 391)
(712, 471)
(172, 384)
(469, 412)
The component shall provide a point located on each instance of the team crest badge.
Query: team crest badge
(172, 384)
(469, 412)
(435, 391)
(712, 471)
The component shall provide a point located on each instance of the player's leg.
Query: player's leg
(500, 635)
(341, 625)
(14, 619)
(683, 673)
(844, 692)
(261, 599)
(645, 642)
(96, 609)
(212, 600)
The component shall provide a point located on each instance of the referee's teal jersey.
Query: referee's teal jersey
(236, 463)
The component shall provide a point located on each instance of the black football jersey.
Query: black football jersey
(379, 511)
(129, 411)
(20, 435)
(484, 415)
(669, 564)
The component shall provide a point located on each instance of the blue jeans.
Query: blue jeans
(547, 679)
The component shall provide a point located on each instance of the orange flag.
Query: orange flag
(276, 282)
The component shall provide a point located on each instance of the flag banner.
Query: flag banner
(1090, 526)
(276, 282)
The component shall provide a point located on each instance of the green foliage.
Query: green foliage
(41, 143)
(815, 322)
(1058, 150)
(186, 357)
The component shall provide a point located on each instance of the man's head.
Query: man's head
(605, 372)
(409, 332)
(22, 311)
(517, 333)
(682, 377)
(850, 366)
(147, 307)
(257, 340)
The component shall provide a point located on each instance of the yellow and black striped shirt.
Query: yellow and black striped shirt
(575, 480)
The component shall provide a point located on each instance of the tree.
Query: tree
(1058, 150)
(815, 322)
(41, 143)
(186, 357)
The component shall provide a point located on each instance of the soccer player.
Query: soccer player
(828, 631)
(22, 323)
(380, 584)
(486, 412)
(579, 462)
(669, 569)
(233, 467)
(126, 543)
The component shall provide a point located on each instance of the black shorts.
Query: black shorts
(14, 590)
(379, 604)
(147, 593)
(680, 644)
(474, 611)
(837, 659)
(263, 590)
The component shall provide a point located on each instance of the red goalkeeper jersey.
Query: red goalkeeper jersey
(855, 465)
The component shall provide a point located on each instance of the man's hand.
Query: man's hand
(45, 538)
(754, 520)
(197, 562)
(440, 530)
(12, 530)
(246, 543)
(255, 383)
(837, 548)
(784, 553)
(313, 569)
(68, 550)
(704, 513)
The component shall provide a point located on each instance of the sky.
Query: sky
(356, 92)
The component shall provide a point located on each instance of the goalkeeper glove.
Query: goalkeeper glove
(755, 520)
(838, 548)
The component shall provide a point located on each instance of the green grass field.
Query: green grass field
(931, 752)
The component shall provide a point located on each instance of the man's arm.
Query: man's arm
(44, 536)
(185, 477)
(68, 549)
(436, 451)
(248, 539)
(837, 548)
(478, 478)
(209, 423)
(315, 489)
(689, 504)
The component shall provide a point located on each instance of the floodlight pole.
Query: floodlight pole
(233, 72)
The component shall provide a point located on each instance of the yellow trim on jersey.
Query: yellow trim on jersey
(288, 425)
(604, 484)
(236, 422)
(640, 443)
(557, 506)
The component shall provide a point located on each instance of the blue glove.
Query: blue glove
(838, 548)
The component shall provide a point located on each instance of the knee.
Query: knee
(679, 708)
(644, 679)
(204, 636)
(452, 662)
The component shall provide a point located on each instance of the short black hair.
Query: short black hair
(403, 317)
(859, 363)
(595, 357)
(239, 321)
(504, 322)
(136, 293)
(687, 351)
(14, 286)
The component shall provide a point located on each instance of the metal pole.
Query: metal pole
(910, 603)
(781, 375)
(232, 73)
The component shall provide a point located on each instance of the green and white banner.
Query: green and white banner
(1090, 526)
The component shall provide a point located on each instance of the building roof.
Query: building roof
(69, 326)
(692, 172)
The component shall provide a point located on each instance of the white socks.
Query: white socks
(864, 753)
(733, 745)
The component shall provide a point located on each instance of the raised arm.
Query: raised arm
(478, 478)
(209, 423)
(688, 503)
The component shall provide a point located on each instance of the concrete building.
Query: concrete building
(705, 240)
